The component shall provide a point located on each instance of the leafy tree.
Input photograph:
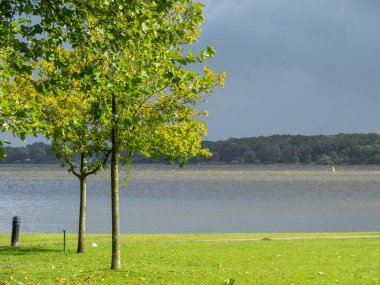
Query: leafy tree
(233, 151)
(75, 135)
(66, 118)
(151, 95)
(74, 129)
(269, 153)
(289, 154)
(143, 93)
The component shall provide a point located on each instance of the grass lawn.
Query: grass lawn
(189, 259)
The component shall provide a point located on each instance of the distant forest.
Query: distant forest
(335, 149)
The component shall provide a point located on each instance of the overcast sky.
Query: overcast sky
(294, 66)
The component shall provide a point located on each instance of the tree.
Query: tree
(152, 95)
(65, 117)
(233, 151)
(289, 154)
(269, 153)
(74, 129)
(143, 91)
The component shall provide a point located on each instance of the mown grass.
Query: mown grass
(188, 259)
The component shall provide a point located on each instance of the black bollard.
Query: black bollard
(15, 231)
(64, 240)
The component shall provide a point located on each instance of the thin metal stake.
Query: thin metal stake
(64, 240)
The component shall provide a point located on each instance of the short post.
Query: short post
(15, 230)
(64, 240)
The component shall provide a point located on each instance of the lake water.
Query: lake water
(197, 199)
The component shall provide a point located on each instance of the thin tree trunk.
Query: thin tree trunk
(82, 208)
(116, 264)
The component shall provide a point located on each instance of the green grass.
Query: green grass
(188, 259)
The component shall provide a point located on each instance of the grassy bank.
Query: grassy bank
(194, 259)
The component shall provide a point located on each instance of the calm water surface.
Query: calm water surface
(166, 199)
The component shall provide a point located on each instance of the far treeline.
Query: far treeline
(335, 149)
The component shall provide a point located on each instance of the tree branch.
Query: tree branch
(71, 167)
(96, 169)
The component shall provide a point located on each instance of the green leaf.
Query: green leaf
(37, 29)
(26, 69)
(24, 20)
(210, 51)
(144, 27)
(28, 9)
(16, 27)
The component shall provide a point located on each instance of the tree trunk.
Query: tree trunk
(82, 208)
(116, 264)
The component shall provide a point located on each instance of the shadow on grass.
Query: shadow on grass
(25, 250)
(108, 269)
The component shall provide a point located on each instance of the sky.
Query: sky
(294, 67)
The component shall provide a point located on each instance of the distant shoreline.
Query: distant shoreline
(341, 149)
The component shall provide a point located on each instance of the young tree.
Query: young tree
(75, 135)
(75, 130)
(144, 81)
(65, 117)
(153, 93)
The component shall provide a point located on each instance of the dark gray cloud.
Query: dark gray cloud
(295, 66)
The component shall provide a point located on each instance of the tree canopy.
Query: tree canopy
(333, 149)
(130, 60)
